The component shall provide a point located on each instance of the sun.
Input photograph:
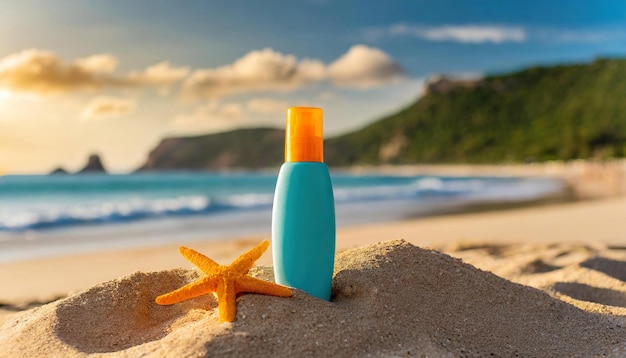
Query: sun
(5, 95)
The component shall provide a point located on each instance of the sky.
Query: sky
(115, 77)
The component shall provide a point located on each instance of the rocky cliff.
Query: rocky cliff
(243, 148)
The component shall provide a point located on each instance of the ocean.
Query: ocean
(44, 215)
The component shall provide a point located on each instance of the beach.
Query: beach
(540, 280)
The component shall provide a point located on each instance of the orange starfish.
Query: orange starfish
(225, 281)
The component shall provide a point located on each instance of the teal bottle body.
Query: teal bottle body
(303, 228)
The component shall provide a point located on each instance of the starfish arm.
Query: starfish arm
(244, 262)
(226, 296)
(254, 285)
(225, 281)
(205, 264)
(194, 289)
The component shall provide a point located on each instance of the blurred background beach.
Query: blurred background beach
(127, 129)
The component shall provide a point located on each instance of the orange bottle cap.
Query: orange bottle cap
(304, 139)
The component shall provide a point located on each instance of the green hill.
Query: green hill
(541, 113)
(242, 148)
(537, 114)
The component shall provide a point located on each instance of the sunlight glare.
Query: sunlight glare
(5, 95)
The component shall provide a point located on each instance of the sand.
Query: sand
(389, 299)
(540, 281)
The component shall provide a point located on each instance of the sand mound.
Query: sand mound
(589, 276)
(388, 299)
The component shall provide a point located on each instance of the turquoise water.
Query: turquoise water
(121, 210)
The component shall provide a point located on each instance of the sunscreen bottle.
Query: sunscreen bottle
(303, 216)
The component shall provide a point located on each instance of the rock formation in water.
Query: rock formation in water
(94, 165)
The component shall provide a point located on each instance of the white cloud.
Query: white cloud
(107, 107)
(579, 35)
(256, 71)
(268, 70)
(211, 113)
(103, 63)
(473, 34)
(161, 74)
(267, 106)
(364, 67)
(43, 72)
(230, 111)
(496, 34)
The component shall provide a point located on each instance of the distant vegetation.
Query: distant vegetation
(537, 114)
(243, 148)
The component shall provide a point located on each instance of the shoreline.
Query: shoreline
(46, 279)
(588, 178)
(146, 232)
(77, 240)
(588, 210)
